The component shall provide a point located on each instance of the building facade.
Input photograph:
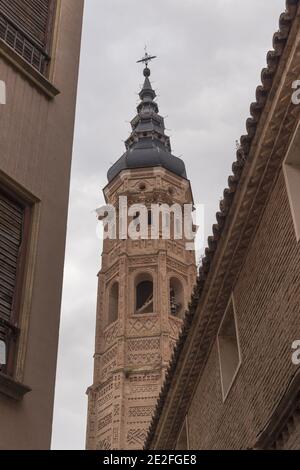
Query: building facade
(144, 285)
(39, 58)
(234, 381)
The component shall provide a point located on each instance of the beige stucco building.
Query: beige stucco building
(234, 381)
(144, 286)
(39, 57)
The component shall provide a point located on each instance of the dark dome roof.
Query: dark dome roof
(147, 145)
(147, 153)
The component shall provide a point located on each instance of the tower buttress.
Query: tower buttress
(144, 286)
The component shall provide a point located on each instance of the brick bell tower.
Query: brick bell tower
(144, 287)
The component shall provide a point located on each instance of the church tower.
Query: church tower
(144, 286)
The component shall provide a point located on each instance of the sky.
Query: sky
(210, 57)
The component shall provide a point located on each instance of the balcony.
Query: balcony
(23, 45)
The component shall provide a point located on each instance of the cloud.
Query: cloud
(210, 55)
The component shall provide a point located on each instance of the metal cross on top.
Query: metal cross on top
(147, 58)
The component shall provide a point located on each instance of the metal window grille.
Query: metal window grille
(12, 216)
(25, 25)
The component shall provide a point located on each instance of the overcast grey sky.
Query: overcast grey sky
(210, 59)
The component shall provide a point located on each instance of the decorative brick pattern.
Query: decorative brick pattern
(136, 437)
(140, 411)
(133, 352)
(103, 422)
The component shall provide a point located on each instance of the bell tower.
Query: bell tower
(145, 283)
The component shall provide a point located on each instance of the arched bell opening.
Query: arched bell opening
(144, 294)
(176, 298)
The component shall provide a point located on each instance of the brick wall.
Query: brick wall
(267, 300)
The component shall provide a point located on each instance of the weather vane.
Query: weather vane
(147, 58)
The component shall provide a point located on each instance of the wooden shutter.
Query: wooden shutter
(30, 17)
(11, 234)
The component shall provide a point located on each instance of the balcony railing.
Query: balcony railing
(23, 45)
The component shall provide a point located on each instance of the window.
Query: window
(26, 26)
(144, 294)
(291, 169)
(176, 298)
(13, 223)
(229, 351)
(113, 305)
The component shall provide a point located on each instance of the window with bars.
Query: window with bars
(26, 26)
(13, 223)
